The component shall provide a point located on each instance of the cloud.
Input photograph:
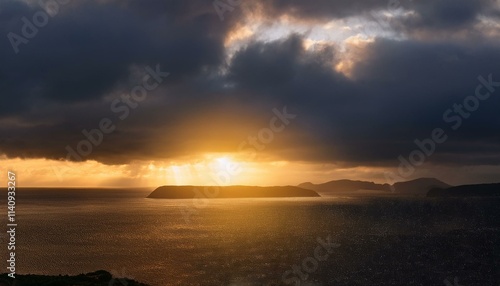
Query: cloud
(448, 14)
(85, 52)
(66, 78)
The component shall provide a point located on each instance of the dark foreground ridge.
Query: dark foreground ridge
(98, 278)
(217, 192)
(481, 190)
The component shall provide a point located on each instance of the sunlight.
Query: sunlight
(208, 169)
(224, 170)
(223, 162)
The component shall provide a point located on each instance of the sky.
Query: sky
(178, 92)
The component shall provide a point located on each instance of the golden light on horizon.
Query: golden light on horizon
(203, 171)
(208, 169)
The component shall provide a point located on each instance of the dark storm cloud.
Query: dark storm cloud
(85, 51)
(412, 84)
(65, 78)
(446, 14)
(279, 59)
(399, 92)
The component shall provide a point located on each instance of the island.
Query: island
(416, 187)
(224, 192)
(97, 278)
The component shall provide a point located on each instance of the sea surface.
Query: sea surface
(369, 241)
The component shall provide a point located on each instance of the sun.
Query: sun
(208, 169)
(224, 160)
(225, 170)
(223, 164)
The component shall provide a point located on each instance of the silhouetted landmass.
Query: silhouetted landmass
(419, 186)
(189, 192)
(98, 278)
(361, 188)
(345, 186)
(480, 190)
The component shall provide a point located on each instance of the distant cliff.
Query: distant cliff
(481, 190)
(418, 187)
(189, 192)
(345, 186)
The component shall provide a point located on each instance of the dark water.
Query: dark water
(378, 241)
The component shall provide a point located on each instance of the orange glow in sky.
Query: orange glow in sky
(210, 169)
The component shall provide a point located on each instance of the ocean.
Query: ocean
(286, 241)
